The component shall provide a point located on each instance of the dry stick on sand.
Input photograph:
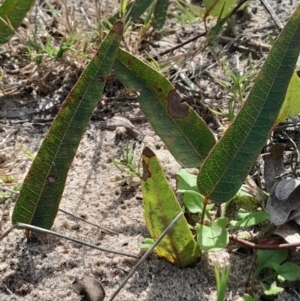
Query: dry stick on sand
(68, 213)
(45, 231)
(90, 223)
(146, 255)
(254, 246)
(272, 13)
(202, 34)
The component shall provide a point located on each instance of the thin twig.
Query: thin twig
(236, 8)
(249, 43)
(252, 245)
(69, 213)
(45, 231)
(272, 14)
(93, 224)
(295, 146)
(146, 255)
(9, 190)
(247, 284)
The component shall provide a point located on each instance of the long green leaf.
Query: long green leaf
(219, 8)
(184, 133)
(44, 184)
(161, 207)
(230, 161)
(134, 10)
(160, 14)
(12, 13)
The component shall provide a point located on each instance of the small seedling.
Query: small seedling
(222, 278)
(188, 13)
(130, 164)
(237, 86)
(274, 261)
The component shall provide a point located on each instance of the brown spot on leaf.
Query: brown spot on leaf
(158, 89)
(118, 27)
(127, 63)
(102, 79)
(146, 171)
(51, 179)
(148, 152)
(175, 107)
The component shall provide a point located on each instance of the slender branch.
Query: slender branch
(146, 255)
(202, 34)
(90, 223)
(252, 245)
(205, 202)
(270, 10)
(9, 190)
(45, 231)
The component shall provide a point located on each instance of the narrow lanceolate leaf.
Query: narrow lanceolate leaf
(218, 8)
(133, 11)
(185, 134)
(161, 207)
(44, 184)
(160, 14)
(230, 161)
(12, 13)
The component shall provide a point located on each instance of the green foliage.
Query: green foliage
(48, 173)
(146, 244)
(12, 13)
(249, 219)
(9, 193)
(223, 165)
(160, 14)
(275, 260)
(266, 259)
(219, 8)
(248, 298)
(230, 161)
(38, 51)
(288, 271)
(237, 86)
(193, 201)
(214, 237)
(222, 278)
(273, 290)
(130, 164)
(161, 207)
(188, 13)
(185, 181)
(131, 11)
(171, 119)
(290, 106)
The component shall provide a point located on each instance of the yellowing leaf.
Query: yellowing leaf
(291, 107)
(216, 7)
(161, 207)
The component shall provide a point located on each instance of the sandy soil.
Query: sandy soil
(45, 267)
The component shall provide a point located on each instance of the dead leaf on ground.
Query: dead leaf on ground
(284, 202)
(274, 165)
(89, 288)
(290, 232)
